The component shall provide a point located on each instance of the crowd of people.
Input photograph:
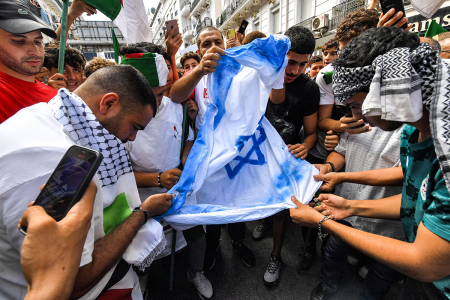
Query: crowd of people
(370, 113)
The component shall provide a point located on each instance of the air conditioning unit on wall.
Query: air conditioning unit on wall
(321, 23)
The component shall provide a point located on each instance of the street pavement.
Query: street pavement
(232, 279)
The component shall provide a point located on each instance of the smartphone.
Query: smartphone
(243, 26)
(171, 24)
(231, 33)
(68, 182)
(398, 5)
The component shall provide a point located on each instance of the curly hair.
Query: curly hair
(95, 64)
(302, 40)
(189, 55)
(363, 49)
(72, 57)
(316, 58)
(355, 23)
(333, 43)
(144, 47)
(253, 36)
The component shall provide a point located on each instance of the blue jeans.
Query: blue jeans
(378, 280)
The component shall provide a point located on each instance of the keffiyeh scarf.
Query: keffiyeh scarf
(401, 82)
(118, 190)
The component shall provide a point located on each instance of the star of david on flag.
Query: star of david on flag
(253, 141)
(239, 168)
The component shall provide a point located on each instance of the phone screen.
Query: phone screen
(57, 197)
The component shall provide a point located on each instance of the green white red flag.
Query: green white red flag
(128, 15)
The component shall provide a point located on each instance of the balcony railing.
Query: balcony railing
(194, 4)
(307, 23)
(340, 11)
(206, 22)
(227, 12)
(186, 2)
(189, 27)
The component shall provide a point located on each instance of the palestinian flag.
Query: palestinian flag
(152, 65)
(128, 15)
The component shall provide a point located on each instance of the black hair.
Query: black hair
(144, 47)
(363, 49)
(119, 79)
(206, 28)
(187, 56)
(72, 57)
(316, 58)
(302, 40)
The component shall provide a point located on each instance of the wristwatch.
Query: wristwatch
(139, 208)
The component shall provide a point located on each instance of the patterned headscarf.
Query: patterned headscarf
(396, 80)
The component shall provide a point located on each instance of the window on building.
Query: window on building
(305, 9)
(256, 26)
(275, 20)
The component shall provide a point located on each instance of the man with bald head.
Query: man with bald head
(106, 111)
(444, 41)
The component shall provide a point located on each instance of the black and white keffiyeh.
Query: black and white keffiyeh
(401, 81)
(82, 125)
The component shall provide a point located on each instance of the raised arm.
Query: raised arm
(184, 87)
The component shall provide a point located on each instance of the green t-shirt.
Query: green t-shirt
(425, 197)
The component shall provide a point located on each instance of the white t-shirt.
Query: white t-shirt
(202, 99)
(326, 90)
(157, 147)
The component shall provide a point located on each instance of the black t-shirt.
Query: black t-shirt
(302, 99)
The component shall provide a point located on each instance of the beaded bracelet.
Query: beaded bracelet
(321, 234)
(159, 180)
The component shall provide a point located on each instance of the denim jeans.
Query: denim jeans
(378, 280)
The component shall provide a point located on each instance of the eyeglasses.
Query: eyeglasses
(445, 50)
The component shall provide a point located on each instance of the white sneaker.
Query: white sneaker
(273, 270)
(203, 286)
(260, 231)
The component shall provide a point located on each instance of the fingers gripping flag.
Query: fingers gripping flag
(239, 168)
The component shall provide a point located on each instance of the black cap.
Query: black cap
(17, 18)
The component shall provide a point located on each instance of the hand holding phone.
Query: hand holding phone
(231, 33)
(170, 25)
(68, 182)
(243, 26)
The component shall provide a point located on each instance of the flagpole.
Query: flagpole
(63, 37)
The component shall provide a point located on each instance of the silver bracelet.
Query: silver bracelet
(307, 148)
(321, 234)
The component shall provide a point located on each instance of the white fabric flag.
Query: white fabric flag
(427, 8)
(133, 23)
(239, 168)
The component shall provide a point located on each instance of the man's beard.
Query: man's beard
(112, 124)
(19, 67)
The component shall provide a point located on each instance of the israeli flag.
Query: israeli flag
(239, 168)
